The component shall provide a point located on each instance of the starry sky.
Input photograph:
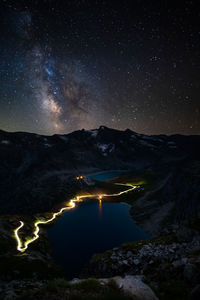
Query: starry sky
(68, 65)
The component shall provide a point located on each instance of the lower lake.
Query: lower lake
(92, 227)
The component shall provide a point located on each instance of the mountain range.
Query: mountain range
(36, 169)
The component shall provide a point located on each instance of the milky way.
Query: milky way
(68, 65)
(65, 96)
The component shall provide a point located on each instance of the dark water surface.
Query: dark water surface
(91, 228)
(103, 176)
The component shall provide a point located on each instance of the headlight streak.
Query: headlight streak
(22, 247)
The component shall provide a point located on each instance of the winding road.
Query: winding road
(23, 246)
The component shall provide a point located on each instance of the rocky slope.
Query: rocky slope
(38, 172)
(170, 263)
(173, 199)
(127, 288)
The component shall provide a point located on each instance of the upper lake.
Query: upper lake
(103, 176)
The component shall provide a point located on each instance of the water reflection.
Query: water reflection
(100, 208)
(93, 227)
(100, 205)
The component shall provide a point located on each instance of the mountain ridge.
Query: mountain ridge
(35, 166)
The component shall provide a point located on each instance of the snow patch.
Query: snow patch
(171, 143)
(64, 138)
(138, 134)
(102, 147)
(106, 148)
(146, 137)
(150, 138)
(147, 144)
(5, 142)
(48, 145)
(112, 148)
(93, 132)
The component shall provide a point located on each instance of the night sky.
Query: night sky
(68, 65)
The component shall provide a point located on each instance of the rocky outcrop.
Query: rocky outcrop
(131, 285)
(141, 257)
(173, 200)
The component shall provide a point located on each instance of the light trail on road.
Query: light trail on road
(71, 204)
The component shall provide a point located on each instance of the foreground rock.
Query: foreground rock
(169, 263)
(141, 257)
(134, 286)
(130, 287)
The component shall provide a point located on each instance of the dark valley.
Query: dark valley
(39, 173)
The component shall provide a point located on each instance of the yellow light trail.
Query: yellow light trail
(71, 204)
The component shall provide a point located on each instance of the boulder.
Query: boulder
(134, 286)
(131, 285)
